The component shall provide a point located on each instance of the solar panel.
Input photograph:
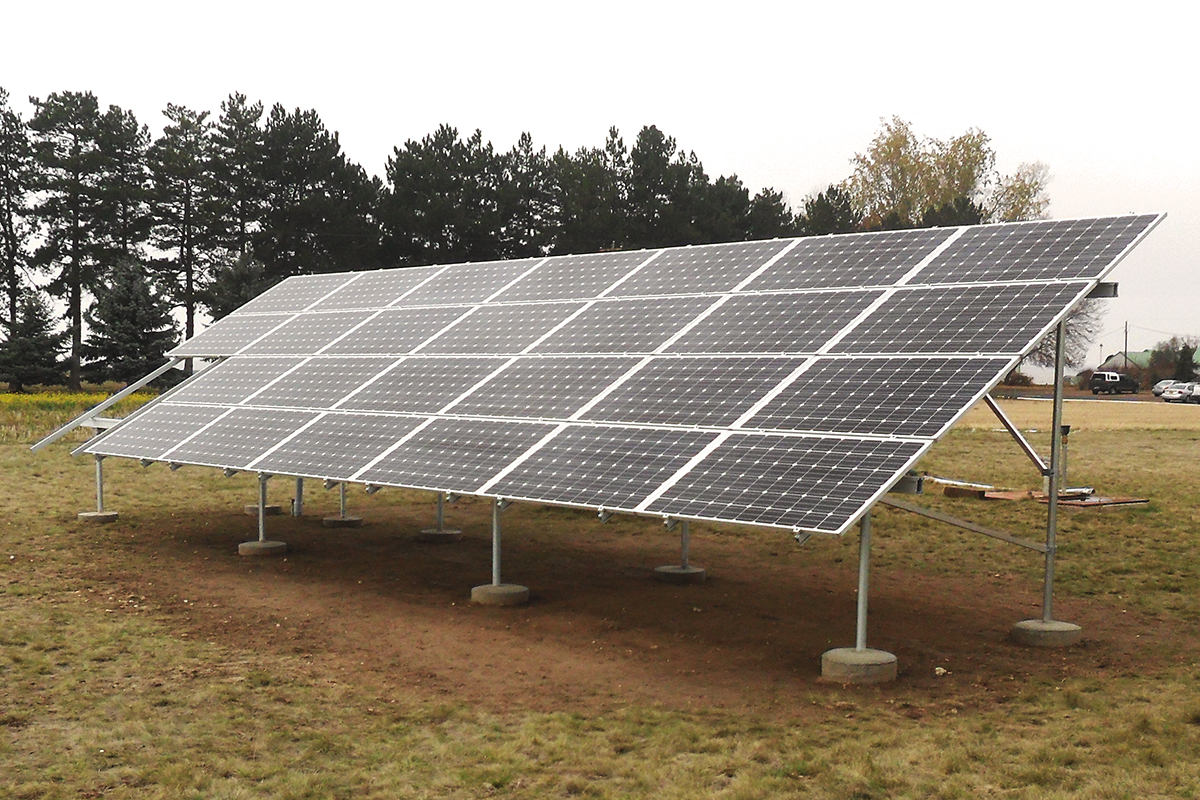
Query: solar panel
(785, 383)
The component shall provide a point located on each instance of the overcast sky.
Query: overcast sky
(778, 93)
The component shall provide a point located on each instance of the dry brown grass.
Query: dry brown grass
(101, 696)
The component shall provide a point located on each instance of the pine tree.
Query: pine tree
(17, 176)
(131, 327)
(32, 353)
(66, 136)
(185, 213)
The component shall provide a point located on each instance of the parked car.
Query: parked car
(1162, 385)
(1179, 393)
(1112, 383)
(1193, 395)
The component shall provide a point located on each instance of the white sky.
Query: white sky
(780, 94)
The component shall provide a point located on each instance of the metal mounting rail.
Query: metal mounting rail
(962, 523)
(88, 415)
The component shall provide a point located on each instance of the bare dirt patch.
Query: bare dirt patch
(375, 607)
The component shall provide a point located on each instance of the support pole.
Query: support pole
(1047, 632)
(864, 576)
(860, 664)
(298, 502)
(99, 515)
(343, 519)
(497, 593)
(262, 546)
(262, 506)
(496, 543)
(684, 572)
(440, 533)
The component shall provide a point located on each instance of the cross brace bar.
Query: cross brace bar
(962, 523)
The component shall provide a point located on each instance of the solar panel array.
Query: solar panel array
(783, 383)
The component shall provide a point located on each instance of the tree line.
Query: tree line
(127, 231)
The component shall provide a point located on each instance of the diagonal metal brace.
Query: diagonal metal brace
(962, 523)
(1043, 467)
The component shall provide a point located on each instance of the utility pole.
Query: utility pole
(1126, 345)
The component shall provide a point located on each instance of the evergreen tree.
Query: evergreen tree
(235, 178)
(233, 285)
(959, 211)
(525, 203)
(831, 211)
(770, 217)
(17, 180)
(185, 214)
(124, 185)
(319, 213)
(588, 197)
(131, 327)
(443, 201)
(31, 353)
(66, 136)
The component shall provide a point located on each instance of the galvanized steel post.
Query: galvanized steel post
(496, 508)
(99, 484)
(1060, 345)
(864, 569)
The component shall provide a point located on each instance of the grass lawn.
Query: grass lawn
(143, 659)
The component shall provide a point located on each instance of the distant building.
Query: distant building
(1119, 360)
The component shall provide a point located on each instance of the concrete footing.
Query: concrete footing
(435, 536)
(270, 511)
(675, 573)
(97, 516)
(261, 548)
(850, 665)
(503, 594)
(342, 522)
(1046, 633)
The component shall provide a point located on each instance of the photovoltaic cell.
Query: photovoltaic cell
(501, 329)
(960, 319)
(544, 387)
(468, 283)
(693, 391)
(320, 382)
(421, 384)
(295, 294)
(229, 334)
(233, 380)
(613, 468)
(639, 325)
(239, 437)
(455, 455)
(1029, 251)
(774, 324)
(154, 431)
(574, 277)
(879, 396)
(850, 261)
(702, 268)
(395, 332)
(307, 333)
(811, 483)
(376, 289)
(337, 445)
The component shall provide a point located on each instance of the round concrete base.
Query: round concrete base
(97, 516)
(504, 594)
(267, 548)
(1040, 633)
(342, 522)
(675, 573)
(849, 665)
(434, 536)
(270, 511)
